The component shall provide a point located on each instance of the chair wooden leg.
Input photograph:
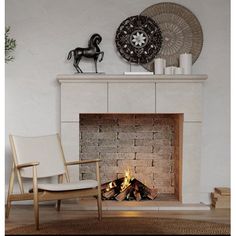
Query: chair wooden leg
(36, 204)
(58, 205)
(10, 190)
(36, 214)
(99, 204)
(8, 207)
(99, 197)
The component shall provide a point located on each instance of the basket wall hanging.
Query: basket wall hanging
(180, 29)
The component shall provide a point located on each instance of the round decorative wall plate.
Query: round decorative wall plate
(138, 39)
(181, 32)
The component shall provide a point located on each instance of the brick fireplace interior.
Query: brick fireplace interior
(149, 145)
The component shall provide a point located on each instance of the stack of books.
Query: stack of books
(221, 197)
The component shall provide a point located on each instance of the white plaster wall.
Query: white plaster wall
(45, 32)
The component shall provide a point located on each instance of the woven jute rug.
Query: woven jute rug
(125, 225)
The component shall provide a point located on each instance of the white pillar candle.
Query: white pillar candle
(159, 66)
(179, 71)
(185, 62)
(169, 70)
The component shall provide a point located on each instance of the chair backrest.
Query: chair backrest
(46, 150)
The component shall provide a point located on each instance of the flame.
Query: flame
(110, 186)
(126, 181)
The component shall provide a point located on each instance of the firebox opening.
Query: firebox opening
(136, 150)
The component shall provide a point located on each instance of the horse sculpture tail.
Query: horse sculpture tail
(70, 54)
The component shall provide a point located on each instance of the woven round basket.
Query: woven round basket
(181, 32)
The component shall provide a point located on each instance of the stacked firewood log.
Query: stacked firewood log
(133, 190)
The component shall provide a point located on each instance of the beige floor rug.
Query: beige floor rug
(131, 226)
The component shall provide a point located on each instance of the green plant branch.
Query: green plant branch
(10, 45)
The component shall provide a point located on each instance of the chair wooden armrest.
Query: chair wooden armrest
(29, 164)
(82, 162)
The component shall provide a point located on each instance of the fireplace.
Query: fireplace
(121, 103)
(147, 145)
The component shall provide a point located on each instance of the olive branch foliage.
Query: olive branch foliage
(10, 45)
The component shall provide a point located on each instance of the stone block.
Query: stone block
(108, 156)
(126, 156)
(163, 162)
(88, 176)
(109, 177)
(151, 156)
(109, 169)
(126, 128)
(163, 189)
(86, 168)
(89, 156)
(162, 182)
(109, 128)
(106, 135)
(143, 121)
(145, 142)
(104, 149)
(135, 135)
(89, 128)
(133, 163)
(89, 149)
(122, 142)
(108, 122)
(163, 150)
(163, 133)
(144, 128)
(89, 135)
(126, 119)
(133, 149)
(88, 142)
(145, 170)
(107, 142)
(88, 116)
(109, 163)
(145, 179)
(116, 156)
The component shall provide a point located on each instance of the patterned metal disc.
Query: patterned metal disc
(181, 32)
(138, 39)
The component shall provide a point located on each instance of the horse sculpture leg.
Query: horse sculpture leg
(102, 53)
(95, 62)
(76, 65)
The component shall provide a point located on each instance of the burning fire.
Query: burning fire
(128, 188)
(110, 186)
(126, 181)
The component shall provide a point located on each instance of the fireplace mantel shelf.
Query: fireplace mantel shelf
(73, 78)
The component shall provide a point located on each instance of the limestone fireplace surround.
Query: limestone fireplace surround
(138, 94)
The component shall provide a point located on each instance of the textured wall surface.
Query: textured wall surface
(45, 31)
(141, 143)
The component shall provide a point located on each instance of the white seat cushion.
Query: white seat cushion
(83, 184)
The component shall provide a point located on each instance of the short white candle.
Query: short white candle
(159, 66)
(179, 71)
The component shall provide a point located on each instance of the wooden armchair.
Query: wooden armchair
(39, 157)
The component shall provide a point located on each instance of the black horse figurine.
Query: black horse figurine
(92, 51)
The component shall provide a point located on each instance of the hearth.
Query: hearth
(148, 145)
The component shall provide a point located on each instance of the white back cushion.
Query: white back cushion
(45, 149)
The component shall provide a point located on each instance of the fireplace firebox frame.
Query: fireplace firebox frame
(138, 94)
